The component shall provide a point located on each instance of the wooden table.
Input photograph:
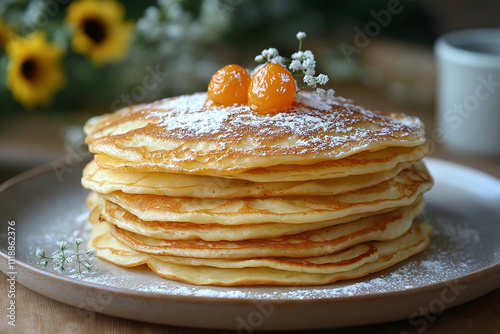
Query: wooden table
(38, 314)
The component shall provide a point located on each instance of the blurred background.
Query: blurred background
(62, 62)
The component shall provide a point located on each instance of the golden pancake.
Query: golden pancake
(110, 249)
(194, 271)
(363, 163)
(123, 219)
(324, 241)
(180, 185)
(184, 136)
(347, 259)
(389, 253)
(399, 191)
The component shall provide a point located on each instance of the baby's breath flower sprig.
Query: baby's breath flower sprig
(61, 259)
(302, 65)
(271, 55)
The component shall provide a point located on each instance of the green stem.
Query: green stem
(63, 259)
(78, 260)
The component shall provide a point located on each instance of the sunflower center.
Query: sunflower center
(29, 69)
(95, 30)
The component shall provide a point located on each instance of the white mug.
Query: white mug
(468, 109)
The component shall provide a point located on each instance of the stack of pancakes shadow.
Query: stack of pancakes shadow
(325, 191)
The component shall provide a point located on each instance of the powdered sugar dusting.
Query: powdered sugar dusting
(435, 266)
(284, 77)
(323, 121)
(459, 231)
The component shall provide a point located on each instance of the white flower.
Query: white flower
(91, 252)
(330, 92)
(322, 79)
(277, 60)
(259, 59)
(298, 55)
(308, 54)
(58, 259)
(307, 63)
(63, 245)
(270, 53)
(295, 65)
(78, 241)
(309, 66)
(40, 253)
(309, 80)
(301, 35)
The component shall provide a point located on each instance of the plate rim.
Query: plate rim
(463, 169)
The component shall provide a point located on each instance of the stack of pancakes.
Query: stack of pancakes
(219, 195)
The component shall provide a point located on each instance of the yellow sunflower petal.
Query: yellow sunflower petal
(34, 72)
(99, 29)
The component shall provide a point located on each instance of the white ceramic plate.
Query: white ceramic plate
(462, 263)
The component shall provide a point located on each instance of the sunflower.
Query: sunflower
(6, 32)
(34, 72)
(99, 29)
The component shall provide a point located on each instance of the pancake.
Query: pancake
(389, 253)
(347, 259)
(364, 163)
(402, 190)
(181, 135)
(351, 263)
(116, 215)
(181, 185)
(312, 243)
